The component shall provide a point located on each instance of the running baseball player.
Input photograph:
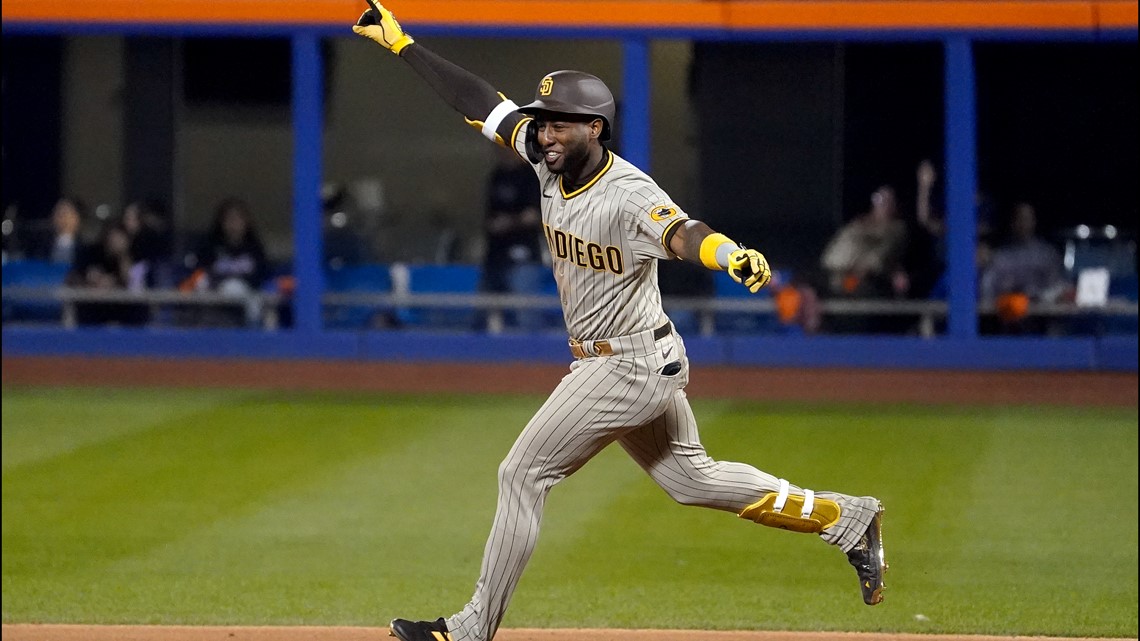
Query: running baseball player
(607, 224)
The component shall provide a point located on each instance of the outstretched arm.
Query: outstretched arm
(473, 97)
(695, 241)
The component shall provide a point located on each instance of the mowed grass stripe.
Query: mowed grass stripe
(41, 423)
(395, 528)
(68, 520)
(1052, 522)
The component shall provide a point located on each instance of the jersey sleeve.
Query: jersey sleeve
(651, 217)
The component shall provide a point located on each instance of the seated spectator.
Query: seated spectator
(109, 266)
(145, 221)
(232, 262)
(797, 307)
(343, 234)
(864, 258)
(150, 240)
(1025, 270)
(63, 244)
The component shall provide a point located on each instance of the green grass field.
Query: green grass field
(217, 507)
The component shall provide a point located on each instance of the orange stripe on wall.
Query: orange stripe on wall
(539, 13)
(700, 14)
(1114, 15)
(185, 11)
(562, 13)
(915, 14)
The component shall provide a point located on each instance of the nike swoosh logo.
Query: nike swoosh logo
(667, 352)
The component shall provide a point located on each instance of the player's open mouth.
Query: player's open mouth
(552, 157)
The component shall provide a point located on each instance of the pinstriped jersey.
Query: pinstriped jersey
(605, 239)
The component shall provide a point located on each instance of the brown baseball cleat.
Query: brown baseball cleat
(419, 630)
(869, 560)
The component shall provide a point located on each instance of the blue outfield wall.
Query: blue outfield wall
(1114, 353)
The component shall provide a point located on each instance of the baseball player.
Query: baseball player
(607, 224)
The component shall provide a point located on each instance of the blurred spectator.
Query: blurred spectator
(1025, 270)
(798, 309)
(63, 242)
(12, 248)
(145, 223)
(984, 233)
(344, 245)
(865, 257)
(109, 266)
(513, 227)
(232, 262)
(924, 258)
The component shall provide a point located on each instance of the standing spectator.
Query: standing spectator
(513, 226)
(233, 262)
(925, 256)
(109, 266)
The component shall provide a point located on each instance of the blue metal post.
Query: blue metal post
(633, 120)
(961, 187)
(307, 234)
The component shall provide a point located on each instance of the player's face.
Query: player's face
(565, 145)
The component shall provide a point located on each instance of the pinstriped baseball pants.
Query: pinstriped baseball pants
(623, 398)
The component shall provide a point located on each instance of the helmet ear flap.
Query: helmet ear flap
(530, 141)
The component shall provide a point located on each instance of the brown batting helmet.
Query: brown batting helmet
(574, 92)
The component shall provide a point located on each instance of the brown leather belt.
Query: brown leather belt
(604, 348)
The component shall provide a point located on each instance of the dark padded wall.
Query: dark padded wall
(148, 115)
(771, 130)
(32, 124)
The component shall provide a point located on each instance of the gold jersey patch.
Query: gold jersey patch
(661, 213)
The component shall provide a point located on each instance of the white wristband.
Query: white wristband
(491, 124)
(723, 251)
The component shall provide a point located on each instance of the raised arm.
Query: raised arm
(474, 98)
(694, 241)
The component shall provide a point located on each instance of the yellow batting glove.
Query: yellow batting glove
(749, 268)
(380, 25)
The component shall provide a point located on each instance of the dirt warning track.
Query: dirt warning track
(1056, 388)
(54, 632)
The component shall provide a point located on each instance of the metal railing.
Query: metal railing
(495, 305)
(155, 299)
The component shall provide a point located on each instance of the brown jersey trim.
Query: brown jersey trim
(515, 133)
(668, 235)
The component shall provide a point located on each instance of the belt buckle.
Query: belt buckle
(601, 348)
(576, 349)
